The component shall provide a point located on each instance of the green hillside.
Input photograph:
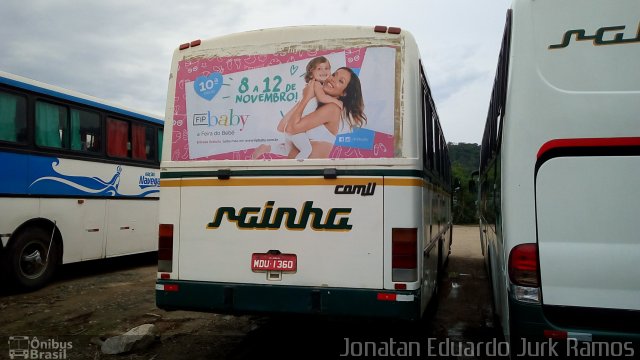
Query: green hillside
(465, 159)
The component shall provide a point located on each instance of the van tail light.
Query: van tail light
(523, 265)
(165, 248)
(404, 254)
(524, 273)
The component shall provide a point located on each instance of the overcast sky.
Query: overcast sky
(121, 50)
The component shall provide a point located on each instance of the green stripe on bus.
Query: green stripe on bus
(315, 172)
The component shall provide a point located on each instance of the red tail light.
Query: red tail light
(387, 297)
(555, 334)
(165, 248)
(171, 287)
(523, 265)
(404, 255)
(404, 248)
(394, 30)
(380, 29)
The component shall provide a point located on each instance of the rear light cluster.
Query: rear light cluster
(395, 297)
(524, 273)
(194, 43)
(165, 249)
(168, 287)
(563, 335)
(404, 254)
(389, 30)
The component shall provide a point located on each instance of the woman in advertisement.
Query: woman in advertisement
(318, 70)
(323, 124)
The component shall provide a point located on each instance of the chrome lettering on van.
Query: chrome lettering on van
(598, 38)
(270, 218)
(364, 190)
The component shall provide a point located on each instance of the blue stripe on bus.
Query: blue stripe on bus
(41, 90)
(40, 175)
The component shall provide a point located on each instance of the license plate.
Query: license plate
(274, 262)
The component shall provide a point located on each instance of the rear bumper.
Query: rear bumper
(248, 299)
(529, 321)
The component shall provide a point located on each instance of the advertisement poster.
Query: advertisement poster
(245, 107)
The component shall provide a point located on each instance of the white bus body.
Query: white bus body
(80, 179)
(559, 172)
(320, 235)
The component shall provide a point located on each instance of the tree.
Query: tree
(465, 159)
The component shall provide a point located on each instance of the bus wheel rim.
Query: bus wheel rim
(31, 263)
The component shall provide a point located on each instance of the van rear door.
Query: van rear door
(589, 231)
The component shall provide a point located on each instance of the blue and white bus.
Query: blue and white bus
(79, 179)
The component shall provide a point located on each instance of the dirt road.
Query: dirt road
(97, 300)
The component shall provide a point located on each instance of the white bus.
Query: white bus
(80, 179)
(559, 171)
(359, 226)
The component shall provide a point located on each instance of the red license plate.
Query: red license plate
(274, 262)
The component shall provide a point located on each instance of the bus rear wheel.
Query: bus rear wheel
(30, 263)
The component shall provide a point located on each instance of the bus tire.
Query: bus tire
(26, 259)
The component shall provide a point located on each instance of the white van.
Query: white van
(559, 172)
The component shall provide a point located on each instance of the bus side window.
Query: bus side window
(85, 131)
(51, 125)
(13, 118)
(142, 142)
(117, 138)
(160, 139)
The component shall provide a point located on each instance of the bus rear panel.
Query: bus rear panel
(246, 227)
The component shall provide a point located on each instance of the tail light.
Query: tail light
(404, 254)
(390, 30)
(165, 248)
(523, 265)
(524, 273)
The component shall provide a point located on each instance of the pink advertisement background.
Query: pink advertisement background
(189, 70)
